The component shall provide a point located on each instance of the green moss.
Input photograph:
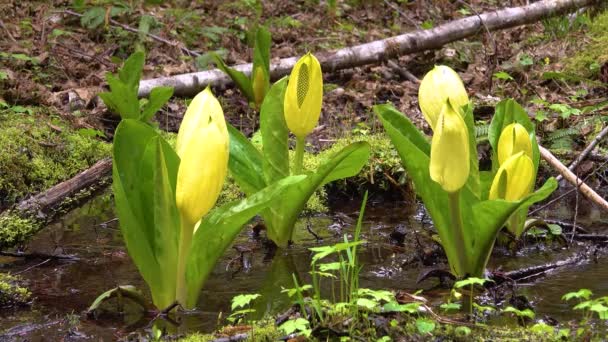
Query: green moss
(11, 292)
(39, 151)
(262, 331)
(594, 53)
(382, 168)
(15, 229)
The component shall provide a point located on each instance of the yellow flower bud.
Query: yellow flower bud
(437, 86)
(202, 145)
(513, 139)
(514, 179)
(304, 95)
(450, 163)
(260, 86)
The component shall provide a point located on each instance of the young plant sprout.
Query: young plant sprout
(467, 210)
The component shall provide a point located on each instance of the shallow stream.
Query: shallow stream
(63, 290)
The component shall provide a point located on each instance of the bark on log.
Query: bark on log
(45, 201)
(377, 51)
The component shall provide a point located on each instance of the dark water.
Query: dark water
(64, 289)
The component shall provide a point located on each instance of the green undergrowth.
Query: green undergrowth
(383, 170)
(261, 331)
(15, 229)
(594, 52)
(39, 150)
(12, 293)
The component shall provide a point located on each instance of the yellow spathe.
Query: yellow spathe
(202, 145)
(450, 165)
(304, 96)
(513, 139)
(514, 179)
(437, 86)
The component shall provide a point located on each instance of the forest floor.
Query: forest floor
(54, 56)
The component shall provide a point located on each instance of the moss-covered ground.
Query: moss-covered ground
(12, 293)
(40, 149)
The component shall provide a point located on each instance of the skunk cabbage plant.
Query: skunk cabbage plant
(289, 105)
(164, 199)
(446, 174)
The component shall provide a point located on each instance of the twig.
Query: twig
(8, 33)
(572, 178)
(40, 256)
(151, 35)
(32, 267)
(403, 72)
(404, 15)
(586, 151)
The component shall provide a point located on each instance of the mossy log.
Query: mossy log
(41, 204)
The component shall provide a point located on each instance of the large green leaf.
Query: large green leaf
(220, 227)
(158, 97)
(275, 134)
(159, 175)
(486, 218)
(245, 162)
(136, 219)
(414, 155)
(402, 125)
(145, 173)
(240, 79)
(281, 216)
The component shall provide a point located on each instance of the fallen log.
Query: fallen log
(377, 51)
(573, 179)
(41, 204)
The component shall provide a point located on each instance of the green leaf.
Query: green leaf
(410, 308)
(470, 281)
(502, 75)
(121, 99)
(134, 208)
(245, 162)
(240, 79)
(131, 71)
(281, 216)
(158, 176)
(243, 300)
(127, 291)
(275, 134)
(93, 17)
(158, 97)
(580, 294)
(425, 326)
(450, 306)
(520, 313)
(367, 303)
(219, 229)
(261, 58)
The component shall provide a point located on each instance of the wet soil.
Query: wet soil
(64, 289)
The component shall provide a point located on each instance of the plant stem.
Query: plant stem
(185, 241)
(300, 142)
(458, 229)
